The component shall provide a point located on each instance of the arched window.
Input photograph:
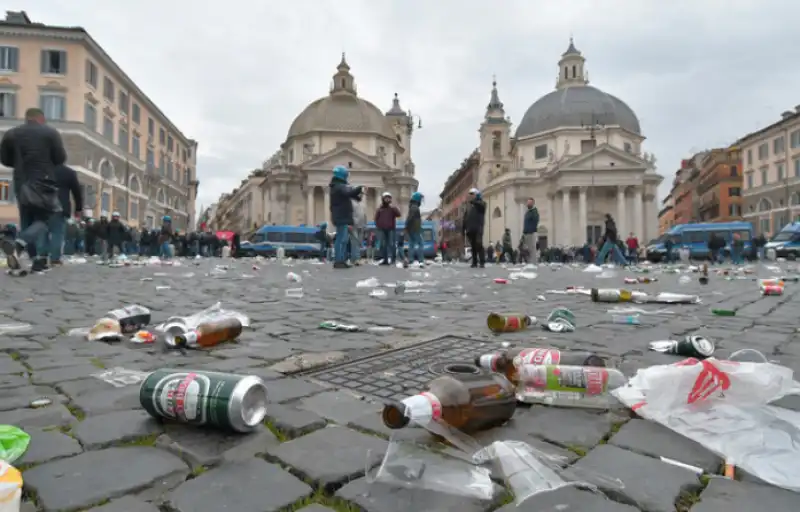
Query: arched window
(795, 199)
(566, 72)
(496, 214)
(764, 205)
(574, 71)
(161, 197)
(106, 170)
(134, 185)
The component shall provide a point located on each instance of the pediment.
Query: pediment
(347, 156)
(603, 157)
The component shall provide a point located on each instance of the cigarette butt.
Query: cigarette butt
(730, 470)
(693, 469)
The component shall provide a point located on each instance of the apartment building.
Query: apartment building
(129, 156)
(666, 216)
(242, 210)
(719, 187)
(771, 185)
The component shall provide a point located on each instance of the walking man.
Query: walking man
(68, 184)
(530, 227)
(472, 226)
(33, 150)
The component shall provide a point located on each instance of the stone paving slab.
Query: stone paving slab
(94, 448)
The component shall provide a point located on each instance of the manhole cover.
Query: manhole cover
(402, 372)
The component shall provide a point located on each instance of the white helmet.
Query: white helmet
(474, 191)
(115, 214)
(386, 194)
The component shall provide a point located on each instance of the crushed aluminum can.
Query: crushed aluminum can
(690, 346)
(143, 337)
(106, 329)
(771, 290)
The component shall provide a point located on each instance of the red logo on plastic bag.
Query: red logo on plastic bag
(710, 381)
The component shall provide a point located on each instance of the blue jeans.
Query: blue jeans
(165, 253)
(616, 254)
(415, 252)
(57, 225)
(34, 224)
(340, 243)
(388, 244)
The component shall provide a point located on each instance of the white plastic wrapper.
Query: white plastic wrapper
(723, 405)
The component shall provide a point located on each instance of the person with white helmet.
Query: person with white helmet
(386, 225)
(116, 235)
(472, 226)
(359, 224)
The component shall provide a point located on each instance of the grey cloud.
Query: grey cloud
(235, 75)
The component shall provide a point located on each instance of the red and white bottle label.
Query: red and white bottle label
(539, 356)
(423, 408)
(436, 405)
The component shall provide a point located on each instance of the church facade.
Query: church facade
(578, 152)
(339, 129)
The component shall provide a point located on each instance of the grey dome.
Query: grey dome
(575, 106)
(341, 113)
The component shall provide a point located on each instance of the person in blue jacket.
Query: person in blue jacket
(342, 195)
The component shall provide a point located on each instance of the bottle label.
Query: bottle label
(182, 397)
(423, 408)
(582, 379)
(489, 361)
(538, 356)
(436, 406)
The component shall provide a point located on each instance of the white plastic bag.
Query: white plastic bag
(723, 405)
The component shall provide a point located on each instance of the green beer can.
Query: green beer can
(223, 400)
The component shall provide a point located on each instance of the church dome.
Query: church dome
(342, 111)
(575, 103)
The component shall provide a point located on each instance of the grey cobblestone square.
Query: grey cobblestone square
(94, 449)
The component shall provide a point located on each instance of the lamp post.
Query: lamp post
(592, 127)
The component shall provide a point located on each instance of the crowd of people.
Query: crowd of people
(52, 225)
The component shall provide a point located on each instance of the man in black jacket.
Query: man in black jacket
(610, 239)
(472, 225)
(33, 150)
(68, 184)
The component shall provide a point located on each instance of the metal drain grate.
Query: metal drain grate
(406, 371)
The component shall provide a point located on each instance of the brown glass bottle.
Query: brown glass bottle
(509, 362)
(211, 333)
(468, 402)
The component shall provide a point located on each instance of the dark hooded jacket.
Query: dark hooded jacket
(475, 216)
(34, 150)
(611, 230)
(67, 181)
(414, 218)
(341, 202)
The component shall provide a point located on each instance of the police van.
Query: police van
(787, 242)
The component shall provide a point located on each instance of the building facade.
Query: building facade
(578, 153)
(339, 129)
(242, 210)
(719, 187)
(771, 185)
(686, 199)
(129, 156)
(457, 187)
(666, 216)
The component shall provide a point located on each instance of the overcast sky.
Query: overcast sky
(234, 74)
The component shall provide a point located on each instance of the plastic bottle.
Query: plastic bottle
(211, 333)
(723, 312)
(704, 278)
(626, 319)
(611, 295)
(509, 361)
(569, 386)
(469, 402)
(508, 323)
(295, 293)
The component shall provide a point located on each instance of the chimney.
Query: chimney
(787, 114)
(797, 108)
(18, 17)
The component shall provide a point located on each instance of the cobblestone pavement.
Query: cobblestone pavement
(95, 449)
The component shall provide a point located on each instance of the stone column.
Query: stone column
(327, 213)
(551, 219)
(284, 200)
(310, 205)
(622, 213)
(582, 219)
(638, 214)
(566, 238)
